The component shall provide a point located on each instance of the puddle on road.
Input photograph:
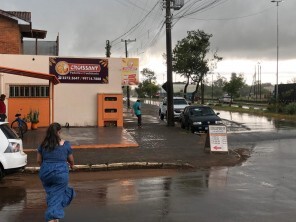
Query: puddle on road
(111, 191)
(245, 121)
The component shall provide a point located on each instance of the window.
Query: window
(110, 98)
(8, 132)
(180, 102)
(17, 91)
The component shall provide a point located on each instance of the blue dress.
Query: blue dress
(54, 175)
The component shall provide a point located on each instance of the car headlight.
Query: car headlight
(197, 123)
(218, 122)
(12, 148)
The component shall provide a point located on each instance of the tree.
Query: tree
(149, 75)
(148, 87)
(140, 90)
(218, 85)
(220, 81)
(293, 80)
(233, 86)
(190, 58)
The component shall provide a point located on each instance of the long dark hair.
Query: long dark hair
(52, 138)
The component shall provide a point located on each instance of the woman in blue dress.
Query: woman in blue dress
(54, 157)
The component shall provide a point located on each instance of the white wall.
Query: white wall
(73, 103)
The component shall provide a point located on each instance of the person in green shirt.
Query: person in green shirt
(137, 112)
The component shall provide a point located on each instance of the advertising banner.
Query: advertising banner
(130, 71)
(79, 70)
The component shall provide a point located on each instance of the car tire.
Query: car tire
(1, 172)
(192, 129)
(182, 125)
(186, 126)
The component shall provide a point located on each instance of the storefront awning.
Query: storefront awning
(26, 73)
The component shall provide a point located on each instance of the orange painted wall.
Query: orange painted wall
(104, 105)
(24, 105)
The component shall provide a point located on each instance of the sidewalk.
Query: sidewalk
(153, 146)
(84, 137)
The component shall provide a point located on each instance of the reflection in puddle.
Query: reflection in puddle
(123, 191)
(12, 200)
(256, 123)
(149, 189)
(159, 192)
(13, 197)
(250, 121)
(218, 177)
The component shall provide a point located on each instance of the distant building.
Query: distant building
(75, 91)
(179, 90)
(15, 28)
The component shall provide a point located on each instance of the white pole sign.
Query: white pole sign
(218, 138)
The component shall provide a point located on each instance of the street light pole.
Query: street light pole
(277, 53)
(212, 87)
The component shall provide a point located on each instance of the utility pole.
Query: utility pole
(170, 101)
(259, 77)
(176, 5)
(255, 84)
(202, 92)
(127, 87)
(108, 48)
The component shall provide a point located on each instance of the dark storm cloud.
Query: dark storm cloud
(247, 29)
(240, 28)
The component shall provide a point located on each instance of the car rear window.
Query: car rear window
(8, 132)
(180, 102)
(202, 111)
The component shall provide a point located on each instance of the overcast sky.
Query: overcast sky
(244, 31)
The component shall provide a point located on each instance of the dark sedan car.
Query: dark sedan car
(198, 118)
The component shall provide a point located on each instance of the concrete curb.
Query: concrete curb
(121, 166)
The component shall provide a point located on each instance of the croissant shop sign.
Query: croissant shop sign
(79, 70)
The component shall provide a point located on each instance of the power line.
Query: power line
(233, 18)
(136, 25)
(148, 36)
(205, 5)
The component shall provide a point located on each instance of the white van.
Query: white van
(12, 156)
(225, 99)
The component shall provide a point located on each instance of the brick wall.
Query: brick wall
(10, 37)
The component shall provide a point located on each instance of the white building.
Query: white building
(75, 99)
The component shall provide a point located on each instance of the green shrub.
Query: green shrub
(290, 108)
(34, 116)
(273, 108)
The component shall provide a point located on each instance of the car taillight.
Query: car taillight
(12, 148)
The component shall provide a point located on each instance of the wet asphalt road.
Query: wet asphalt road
(261, 189)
